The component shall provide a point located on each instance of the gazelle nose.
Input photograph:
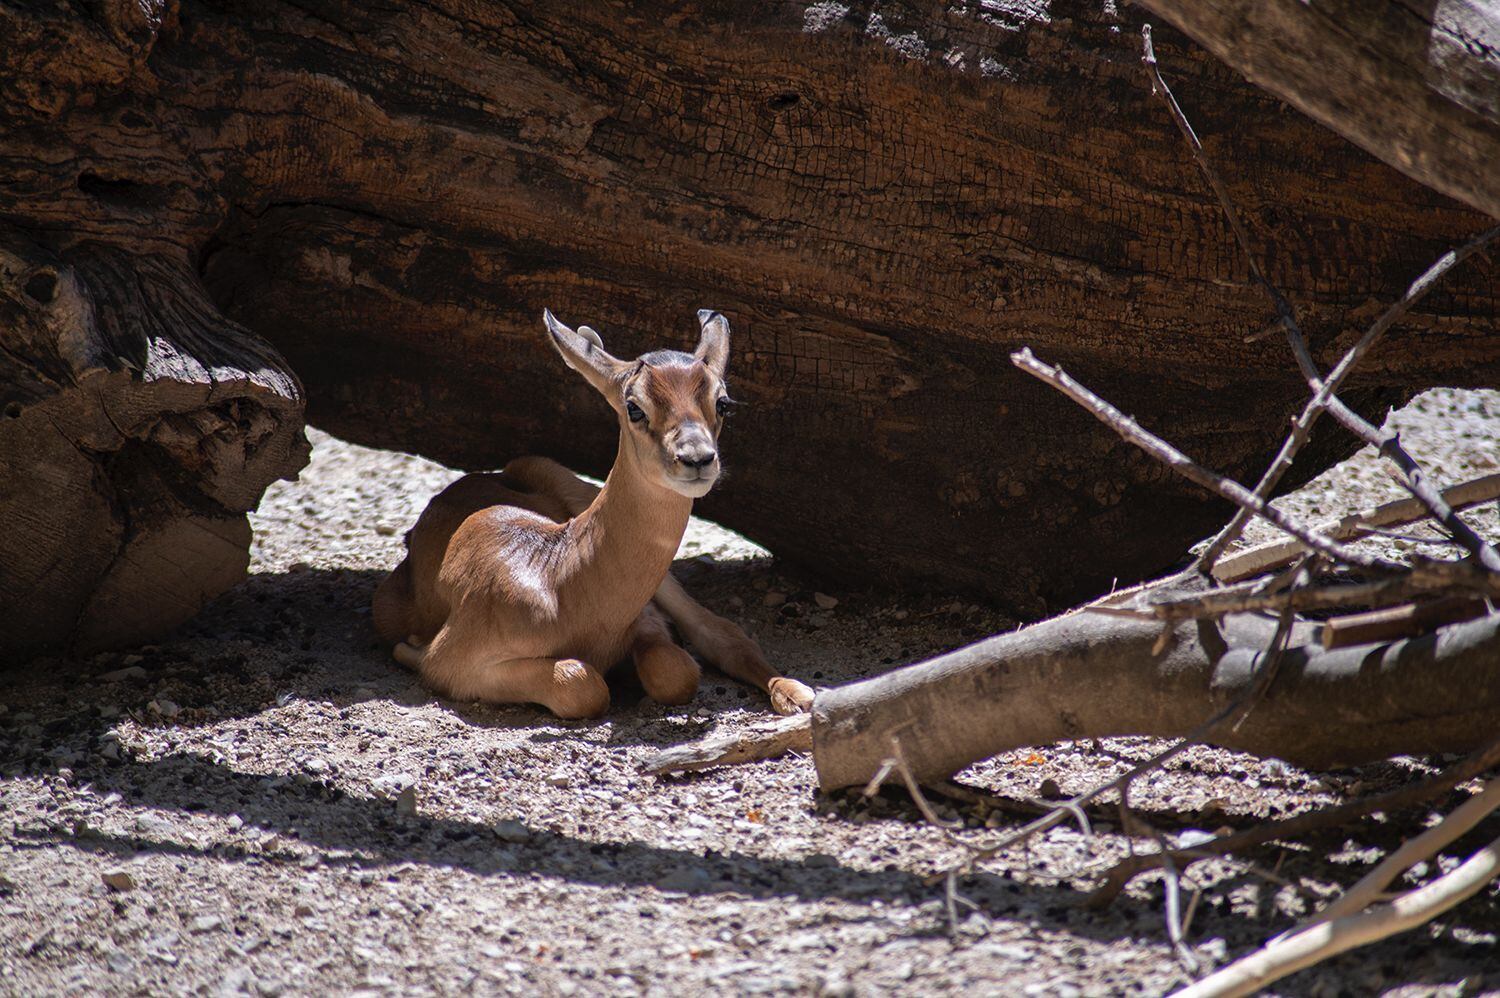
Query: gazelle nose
(696, 457)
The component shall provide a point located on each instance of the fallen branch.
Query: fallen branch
(1257, 560)
(1088, 676)
(1286, 829)
(762, 740)
(1286, 956)
(1431, 579)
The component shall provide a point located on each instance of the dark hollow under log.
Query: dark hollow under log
(885, 199)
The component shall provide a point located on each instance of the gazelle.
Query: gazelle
(527, 585)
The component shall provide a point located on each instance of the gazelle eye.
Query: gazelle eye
(722, 406)
(634, 411)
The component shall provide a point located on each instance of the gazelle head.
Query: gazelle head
(671, 405)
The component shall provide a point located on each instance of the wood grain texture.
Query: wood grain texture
(885, 200)
(1415, 82)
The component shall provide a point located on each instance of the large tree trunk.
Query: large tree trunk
(1417, 84)
(885, 201)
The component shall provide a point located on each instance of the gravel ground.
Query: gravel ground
(264, 804)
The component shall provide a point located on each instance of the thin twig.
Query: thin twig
(1173, 895)
(1179, 462)
(1287, 828)
(915, 789)
(1324, 390)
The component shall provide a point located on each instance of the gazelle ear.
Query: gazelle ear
(583, 351)
(713, 341)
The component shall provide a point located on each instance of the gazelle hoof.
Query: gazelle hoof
(789, 696)
(409, 653)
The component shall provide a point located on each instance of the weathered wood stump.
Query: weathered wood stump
(138, 428)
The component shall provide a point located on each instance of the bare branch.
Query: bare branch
(1236, 493)
(1288, 828)
(1303, 949)
(1253, 561)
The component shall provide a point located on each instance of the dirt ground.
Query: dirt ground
(265, 804)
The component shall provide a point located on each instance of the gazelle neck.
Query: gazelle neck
(630, 533)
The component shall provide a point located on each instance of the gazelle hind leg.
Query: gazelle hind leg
(391, 609)
(461, 667)
(669, 674)
(409, 653)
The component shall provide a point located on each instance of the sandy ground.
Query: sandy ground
(264, 804)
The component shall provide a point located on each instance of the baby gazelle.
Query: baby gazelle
(527, 585)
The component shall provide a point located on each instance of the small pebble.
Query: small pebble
(511, 830)
(118, 880)
(204, 923)
(406, 801)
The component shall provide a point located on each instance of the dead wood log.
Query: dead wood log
(886, 201)
(138, 428)
(1416, 84)
(1086, 675)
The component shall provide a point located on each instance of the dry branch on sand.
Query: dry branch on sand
(1224, 641)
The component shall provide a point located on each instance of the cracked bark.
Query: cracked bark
(885, 202)
(138, 428)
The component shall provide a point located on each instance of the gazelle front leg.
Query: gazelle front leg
(569, 688)
(730, 649)
(669, 674)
